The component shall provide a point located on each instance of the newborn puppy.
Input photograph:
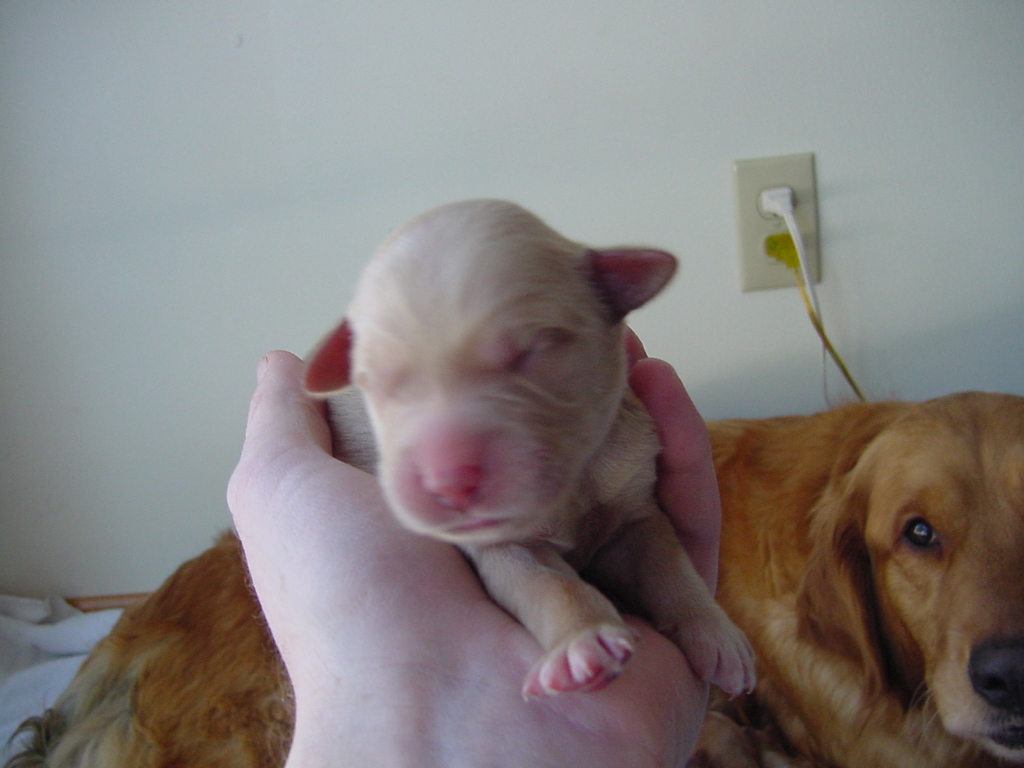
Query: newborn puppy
(488, 352)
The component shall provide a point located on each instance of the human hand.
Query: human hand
(396, 654)
(687, 487)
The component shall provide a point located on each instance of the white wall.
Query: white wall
(186, 185)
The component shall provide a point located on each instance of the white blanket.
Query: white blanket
(42, 644)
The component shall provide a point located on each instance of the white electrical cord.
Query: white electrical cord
(779, 201)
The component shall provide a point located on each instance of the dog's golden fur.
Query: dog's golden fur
(864, 627)
(863, 636)
(188, 678)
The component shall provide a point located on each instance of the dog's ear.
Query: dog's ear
(328, 367)
(837, 603)
(627, 278)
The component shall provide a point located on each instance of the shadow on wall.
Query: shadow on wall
(982, 353)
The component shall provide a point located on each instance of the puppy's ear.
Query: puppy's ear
(328, 367)
(626, 278)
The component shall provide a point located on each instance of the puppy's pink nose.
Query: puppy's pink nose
(456, 488)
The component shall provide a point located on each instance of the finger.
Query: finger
(687, 488)
(284, 428)
(281, 406)
(634, 347)
(289, 491)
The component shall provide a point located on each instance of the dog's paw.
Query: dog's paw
(718, 651)
(585, 662)
(723, 743)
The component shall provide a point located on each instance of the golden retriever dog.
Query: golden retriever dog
(872, 553)
(188, 678)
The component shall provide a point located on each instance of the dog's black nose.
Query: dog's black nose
(997, 674)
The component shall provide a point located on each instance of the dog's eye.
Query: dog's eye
(920, 534)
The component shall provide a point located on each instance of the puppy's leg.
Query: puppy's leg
(649, 568)
(584, 638)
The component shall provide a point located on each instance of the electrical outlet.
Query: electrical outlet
(758, 270)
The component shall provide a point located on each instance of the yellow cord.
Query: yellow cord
(781, 247)
(816, 322)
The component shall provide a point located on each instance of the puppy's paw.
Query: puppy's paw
(585, 662)
(718, 651)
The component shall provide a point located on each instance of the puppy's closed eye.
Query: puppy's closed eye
(538, 346)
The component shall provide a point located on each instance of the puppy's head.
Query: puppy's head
(923, 543)
(489, 352)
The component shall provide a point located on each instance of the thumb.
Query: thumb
(285, 428)
(687, 486)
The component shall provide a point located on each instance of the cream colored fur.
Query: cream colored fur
(489, 351)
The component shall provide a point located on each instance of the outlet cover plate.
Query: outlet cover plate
(759, 271)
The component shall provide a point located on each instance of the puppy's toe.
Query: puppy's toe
(586, 662)
(718, 652)
(734, 672)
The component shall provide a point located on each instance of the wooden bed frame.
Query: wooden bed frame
(105, 602)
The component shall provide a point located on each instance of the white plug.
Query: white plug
(779, 202)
